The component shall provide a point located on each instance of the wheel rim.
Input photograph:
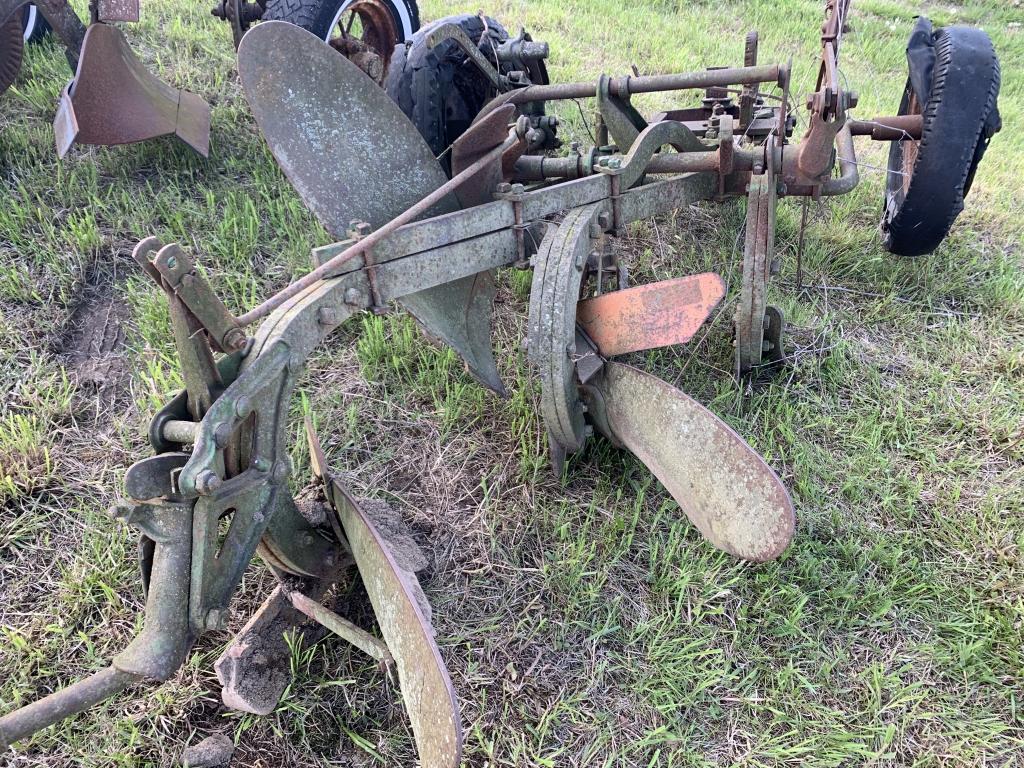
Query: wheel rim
(909, 148)
(30, 22)
(365, 27)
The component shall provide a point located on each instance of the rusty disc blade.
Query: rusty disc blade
(726, 489)
(650, 316)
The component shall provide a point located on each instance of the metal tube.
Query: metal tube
(849, 177)
(647, 84)
(184, 432)
(892, 128)
(424, 205)
(63, 703)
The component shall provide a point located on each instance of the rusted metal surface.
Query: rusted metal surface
(11, 48)
(758, 250)
(372, 51)
(722, 485)
(426, 686)
(888, 128)
(650, 316)
(481, 138)
(114, 99)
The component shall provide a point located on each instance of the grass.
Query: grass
(583, 620)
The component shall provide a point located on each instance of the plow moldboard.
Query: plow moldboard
(724, 487)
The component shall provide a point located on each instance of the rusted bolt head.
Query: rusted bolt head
(234, 339)
(207, 482)
(327, 316)
(504, 188)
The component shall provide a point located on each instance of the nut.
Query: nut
(207, 482)
(327, 316)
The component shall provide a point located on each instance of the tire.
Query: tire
(12, 46)
(928, 179)
(34, 24)
(321, 17)
(439, 89)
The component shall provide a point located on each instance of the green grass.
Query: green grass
(582, 618)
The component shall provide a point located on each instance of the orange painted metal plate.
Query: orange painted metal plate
(650, 316)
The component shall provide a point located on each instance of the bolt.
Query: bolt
(171, 262)
(188, 281)
(604, 220)
(242, 407)
(518, 189)
(504, 188)
(295, 363)
(327, 316)
(261, 463)
(581, 261)
(207, 482)
(614, 163)
(234, 339)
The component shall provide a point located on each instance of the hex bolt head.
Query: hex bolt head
(235, 339)
(504, 188)
(518, 189)
(207, 482)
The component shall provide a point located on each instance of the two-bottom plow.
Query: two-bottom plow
(216, 492)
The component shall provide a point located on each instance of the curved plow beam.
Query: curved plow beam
(726, 489)
(353, 156)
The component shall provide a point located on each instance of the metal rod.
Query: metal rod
(648, 84)
(890, 128)
(63, 703)
(376, 236)
(184, 432)
(342, 627)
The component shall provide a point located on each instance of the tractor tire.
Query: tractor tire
(393, 21)
(954, 84)
(34, 24)
(439, 89)
(12, 46)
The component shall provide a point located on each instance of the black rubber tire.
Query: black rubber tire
(439, 89)
(318, 16)
(960, 117)
(36, 27)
